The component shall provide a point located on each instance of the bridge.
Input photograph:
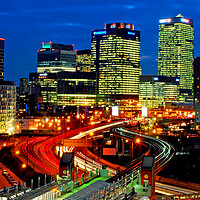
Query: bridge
(77, 142)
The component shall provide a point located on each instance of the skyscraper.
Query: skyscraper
(23, 86)
(176, 49)
(7, 107)
(1, 58)
(115, 55)
(45, 85)
(53, 58)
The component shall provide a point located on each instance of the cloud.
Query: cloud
(65, 24)
(5, 13)
(145, 57)
(129, 6)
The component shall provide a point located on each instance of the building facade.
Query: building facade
(7, 107)
(44, 85)
(155, 90)
(115, 56)
(2, 58)
(76, 88)
(23, 86)
(176, 49)
(83, 60)
(53, 58)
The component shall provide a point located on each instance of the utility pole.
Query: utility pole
(27, 152)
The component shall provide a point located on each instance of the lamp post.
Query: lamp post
(27, 151)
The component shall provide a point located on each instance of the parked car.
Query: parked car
(8, 177)
(14, 183)
(11, 180)
(4, 172)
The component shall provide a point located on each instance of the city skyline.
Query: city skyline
(25, 26)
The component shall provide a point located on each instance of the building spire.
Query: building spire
(179, 15)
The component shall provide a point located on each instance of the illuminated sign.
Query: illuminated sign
(115, 111)
(185, 20)
(46, 45)
(128, 26)
(43, 74)
(155, 78)
(99, 32)
(165, 20)
(130, 33)
(144, 112)
(113, 26)
(109, 151)
(177, 79)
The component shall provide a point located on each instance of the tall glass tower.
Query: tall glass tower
(176, 49)
(115, 54)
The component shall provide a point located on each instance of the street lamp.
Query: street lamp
(23, 165)
(138, 140)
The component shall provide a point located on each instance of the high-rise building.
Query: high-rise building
(53, 58)
(115, 56)
(155, 90)
(44, 85)
(76, 88)
(23, 86)
(7, 107)
(22, 95)
(2, 58)
(176, 49)
(83, 60)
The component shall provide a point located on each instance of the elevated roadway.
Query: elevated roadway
(48, 161)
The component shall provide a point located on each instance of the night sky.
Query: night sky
(25, 24)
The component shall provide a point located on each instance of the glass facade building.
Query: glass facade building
(176, 49)
(76, 89)
(156, 90)
(83, 60)
(7, 107)
(115, 56)
(44, 85)
(53, 58)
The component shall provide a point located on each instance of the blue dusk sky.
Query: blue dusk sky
(25, 24)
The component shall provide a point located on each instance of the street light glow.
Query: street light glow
(138, 140)
(23, 165)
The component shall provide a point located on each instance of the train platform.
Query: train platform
(86, 190)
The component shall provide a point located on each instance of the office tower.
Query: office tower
(83, 60)
(44, 85)
(2, 58)
(196, 104)
(155, 90)
(176, 49)
(22, 95)
(76, 88)
(53, 58)
(115, 56)
(7, 107)
(23, 86)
